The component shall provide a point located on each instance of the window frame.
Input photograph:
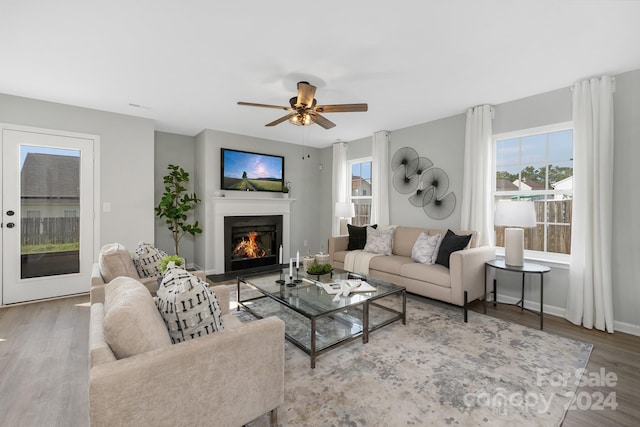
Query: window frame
(351, 198)
(557, 259)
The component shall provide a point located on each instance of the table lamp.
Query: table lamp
(344, 210)
(515, 215)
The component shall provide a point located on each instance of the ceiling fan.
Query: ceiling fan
(305, 111)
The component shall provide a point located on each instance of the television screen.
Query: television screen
(246, 171)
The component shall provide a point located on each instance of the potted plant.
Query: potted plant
(285, 190)
(179, 261)
(176, 203)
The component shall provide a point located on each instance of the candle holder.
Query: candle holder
(280, 281)
(298, 280)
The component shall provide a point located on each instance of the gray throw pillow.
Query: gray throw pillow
(379, 241)
(425, 247)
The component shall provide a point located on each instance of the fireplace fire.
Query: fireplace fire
(249, 248)
(251, 241)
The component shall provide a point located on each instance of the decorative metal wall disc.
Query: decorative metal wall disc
(419, 165)
(403, 157)
(441, 208)
(404, 184)
(422, 197)
(436, 177)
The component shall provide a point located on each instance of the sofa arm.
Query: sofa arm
(337, 244)
(223, 295)
(467, 272)
(226, 379)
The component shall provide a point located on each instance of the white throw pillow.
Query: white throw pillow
(146, 259)
(379, 241)
(188, 306)
(437, 249)
(425, 248)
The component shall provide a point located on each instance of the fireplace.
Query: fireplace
(251, 241)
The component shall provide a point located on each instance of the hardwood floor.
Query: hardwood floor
(43, 365)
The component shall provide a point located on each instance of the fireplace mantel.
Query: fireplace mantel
(247, 206)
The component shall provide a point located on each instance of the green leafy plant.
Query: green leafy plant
(176, 203)
(285, 189)
(319, 269)
(170, 258)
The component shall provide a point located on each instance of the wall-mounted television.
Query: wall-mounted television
(247, 171)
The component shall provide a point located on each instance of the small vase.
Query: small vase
(285, 195)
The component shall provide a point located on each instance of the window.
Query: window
(538, 165)
(361, 190)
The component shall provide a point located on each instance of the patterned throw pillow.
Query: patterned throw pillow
(187, 305)
(379, 241)
(424, 248)
(146, 260)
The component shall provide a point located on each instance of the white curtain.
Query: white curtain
(380, 178)
(589, 300)
(340, 182)
(477, 205)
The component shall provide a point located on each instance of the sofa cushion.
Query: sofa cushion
(188, 306)
(433, 273)
(114, 261)
(389, 264)
(132, 324)
(146, 259)
(404, 238)
(379, 241)
(425, 247)
(357, 236)
(451, 242)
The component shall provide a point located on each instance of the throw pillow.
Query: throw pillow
(146, 259)
(436, 250)
(114, 261)
(132, 324)
(379, 241)
(451, 242)
(357, 236)
(188, 306)
(424, 248)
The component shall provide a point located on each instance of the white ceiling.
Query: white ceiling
(187, 63)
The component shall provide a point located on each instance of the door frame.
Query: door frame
(96, 183)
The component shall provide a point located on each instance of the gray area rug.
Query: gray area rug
(436, 370)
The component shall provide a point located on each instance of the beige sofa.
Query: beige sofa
(227, 378)
(463, 282)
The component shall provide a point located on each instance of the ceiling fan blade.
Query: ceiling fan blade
(252, 104)
(281, 119)
(339, 108)
(306, 92)
(322, 121)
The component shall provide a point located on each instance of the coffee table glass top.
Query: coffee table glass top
(311, 299)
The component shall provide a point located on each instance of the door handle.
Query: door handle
(10, 225)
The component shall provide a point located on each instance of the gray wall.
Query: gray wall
(305, 177)
(443, 142)
(172, 149)
(126, 161)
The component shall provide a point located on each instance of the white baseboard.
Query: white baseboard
(627, 328)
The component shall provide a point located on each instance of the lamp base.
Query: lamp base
(514, 246)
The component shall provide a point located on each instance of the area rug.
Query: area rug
(436, 370)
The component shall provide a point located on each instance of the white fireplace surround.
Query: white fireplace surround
(244, 206)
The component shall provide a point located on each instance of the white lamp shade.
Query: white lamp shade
(515, 214)
(345, 210)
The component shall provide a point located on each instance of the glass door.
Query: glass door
(47, 227)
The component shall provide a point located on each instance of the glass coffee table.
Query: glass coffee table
(316, 321)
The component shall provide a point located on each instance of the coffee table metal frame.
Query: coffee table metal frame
(366, 303)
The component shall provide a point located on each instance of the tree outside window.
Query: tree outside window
(538, 166)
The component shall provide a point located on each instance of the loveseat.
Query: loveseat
(226, 378)
(459, 284)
